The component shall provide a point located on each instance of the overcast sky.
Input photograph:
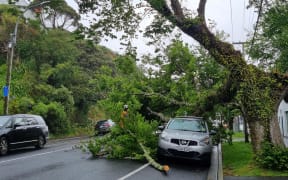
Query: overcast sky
(231, 16)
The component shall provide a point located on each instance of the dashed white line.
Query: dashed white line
(134, 172)
(41, 154)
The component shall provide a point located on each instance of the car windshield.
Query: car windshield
(187, 125)
(3, 120)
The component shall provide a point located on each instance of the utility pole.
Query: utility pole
(10, 56)
(242, 44)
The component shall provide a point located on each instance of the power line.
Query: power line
(231, 19)
(256, 26)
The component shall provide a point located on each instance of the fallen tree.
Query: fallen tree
(258, 92)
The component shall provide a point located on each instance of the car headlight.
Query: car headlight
(164, 137)
(205, 141)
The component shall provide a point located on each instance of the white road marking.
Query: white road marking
(134, 172)
(40, 154)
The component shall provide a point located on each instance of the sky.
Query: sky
(231, 16)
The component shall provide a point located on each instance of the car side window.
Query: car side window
(31, 121)
(20, 121)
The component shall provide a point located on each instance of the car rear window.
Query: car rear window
(40, 120)
(187, 125)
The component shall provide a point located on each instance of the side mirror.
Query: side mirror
(160, 129)
(212, 132)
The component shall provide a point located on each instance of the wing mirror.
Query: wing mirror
(161, 128)
(212, 132)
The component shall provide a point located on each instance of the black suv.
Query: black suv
(22, 130)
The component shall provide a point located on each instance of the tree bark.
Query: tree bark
(256, 134)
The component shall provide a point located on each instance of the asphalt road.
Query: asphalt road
(60, 160)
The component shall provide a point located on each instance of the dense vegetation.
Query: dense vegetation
(71, 81)
(54, 73)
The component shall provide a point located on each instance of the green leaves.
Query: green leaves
(273, 157)
(270, 46)
(121, 144)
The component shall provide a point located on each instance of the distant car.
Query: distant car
(103, 126)
(186, 138)
(22, 130)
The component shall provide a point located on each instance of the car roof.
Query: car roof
(25, 115)
(189, 117)
(21, 115)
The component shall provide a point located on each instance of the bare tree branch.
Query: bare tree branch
(201, 10)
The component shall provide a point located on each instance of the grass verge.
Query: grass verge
(76, 131)
(238, 160)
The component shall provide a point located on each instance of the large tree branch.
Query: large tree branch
(224, 53)
(160, 115)
(224, 95)
(164, 97)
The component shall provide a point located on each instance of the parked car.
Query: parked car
(22, 130)
(103, 126)
(185, 137)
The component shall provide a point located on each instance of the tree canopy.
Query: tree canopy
(258, 92)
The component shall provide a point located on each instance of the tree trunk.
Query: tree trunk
(256, 134)
(275, 132)
(246, 134)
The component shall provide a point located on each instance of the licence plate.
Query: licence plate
(185, 149)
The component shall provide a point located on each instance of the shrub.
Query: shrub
(54, 116)
(273, 157)
(22, 105)
(222, 135)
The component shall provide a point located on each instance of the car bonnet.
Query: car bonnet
(188, 135)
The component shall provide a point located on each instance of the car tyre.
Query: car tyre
(3, 146)
(160, 157)
(207, 160)
(40, 143)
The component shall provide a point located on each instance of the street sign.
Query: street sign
(5, 91)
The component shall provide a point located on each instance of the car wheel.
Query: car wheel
(3, 146)
(160, 156)
(40, 143)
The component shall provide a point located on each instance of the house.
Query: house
(22, 4)
(238, 124)
(283, 120)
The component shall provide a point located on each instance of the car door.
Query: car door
(17, 135)
(33, 129)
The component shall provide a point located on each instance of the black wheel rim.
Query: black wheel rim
(4, 146)
(41, 141)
